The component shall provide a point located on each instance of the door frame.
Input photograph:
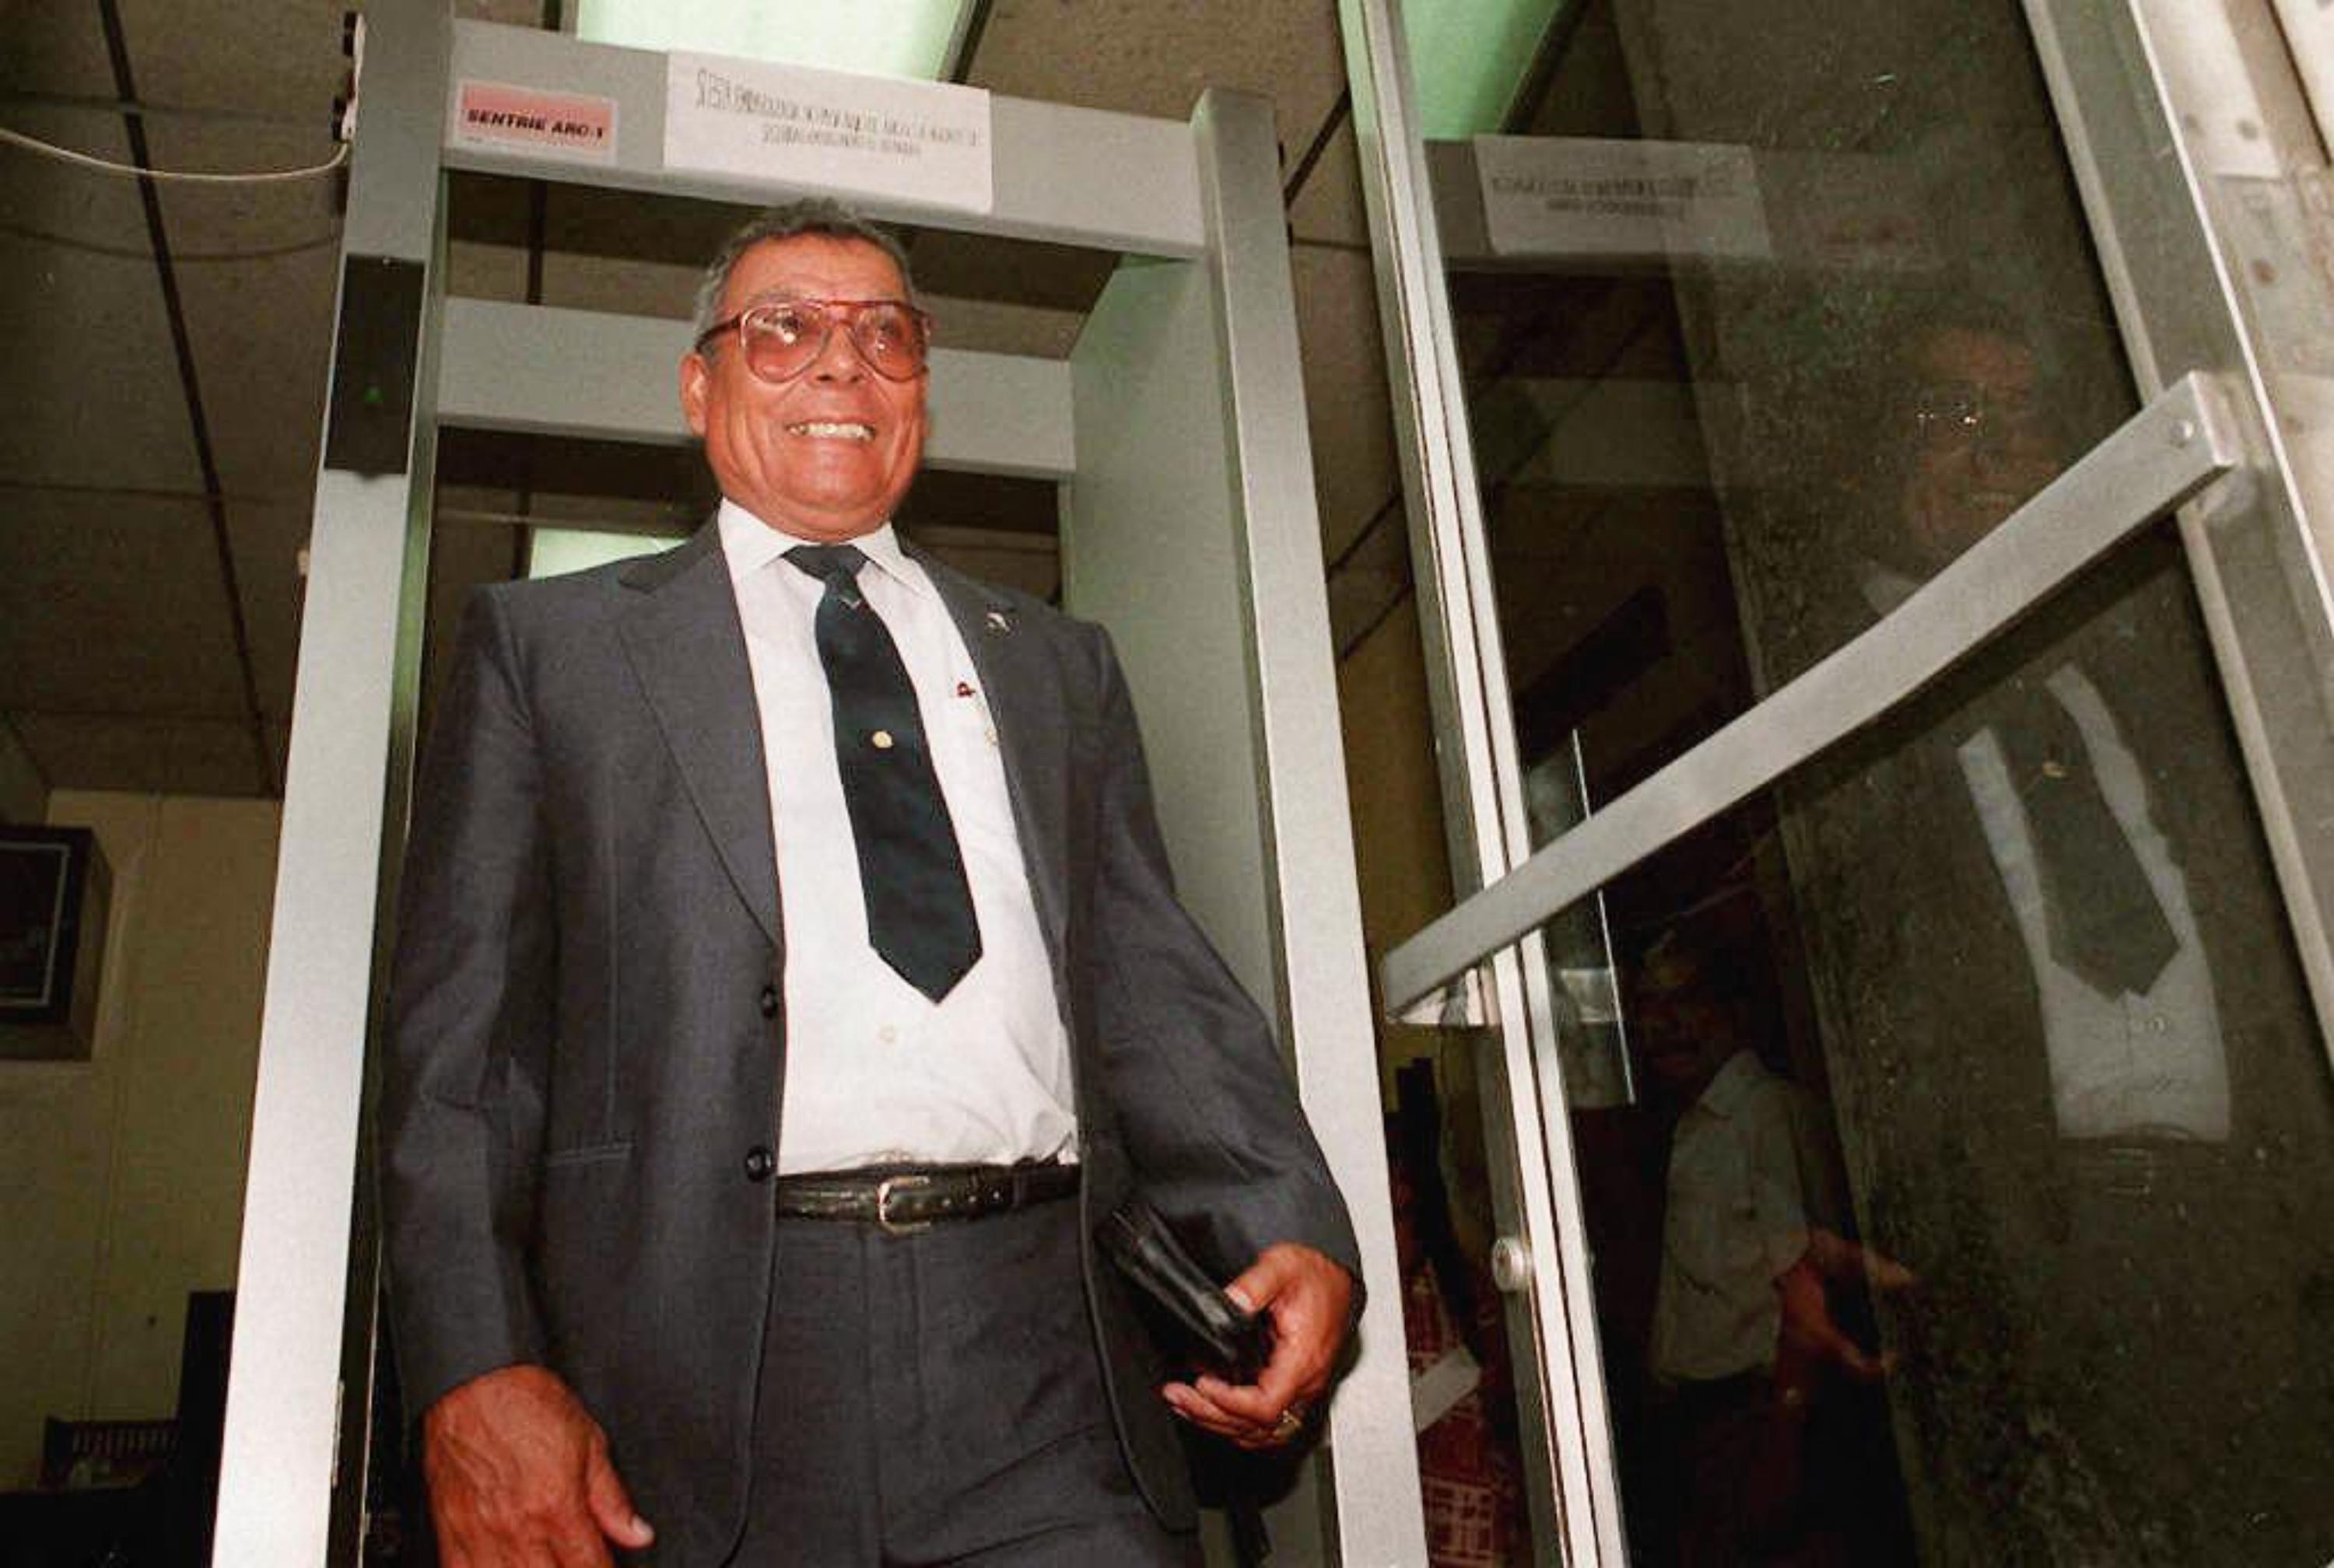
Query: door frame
(2225, 316)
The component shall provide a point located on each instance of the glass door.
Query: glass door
(1880, 673)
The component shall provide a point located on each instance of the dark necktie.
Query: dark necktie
(919, 904)
(2104, 919)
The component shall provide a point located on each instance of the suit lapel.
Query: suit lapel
(1025, 703)
(688, 647)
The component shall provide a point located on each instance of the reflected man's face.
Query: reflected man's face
(1983, 441)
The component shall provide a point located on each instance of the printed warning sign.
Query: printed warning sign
(869, 137)
(1594, 198)
(526, 120)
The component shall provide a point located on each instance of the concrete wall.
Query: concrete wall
(121, 1178)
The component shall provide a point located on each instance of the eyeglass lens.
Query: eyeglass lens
(783, 339)
(1961, 409)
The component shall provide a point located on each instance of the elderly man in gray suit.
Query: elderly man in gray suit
(789, 980)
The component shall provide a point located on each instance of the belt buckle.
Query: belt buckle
(883, 1191)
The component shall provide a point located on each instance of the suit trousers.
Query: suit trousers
(937, 1397)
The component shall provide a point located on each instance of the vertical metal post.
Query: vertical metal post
(284, 1395)
(1313, 896)
(1570, 1464)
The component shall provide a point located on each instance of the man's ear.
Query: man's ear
(694, 375)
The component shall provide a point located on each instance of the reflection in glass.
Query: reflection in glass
(1962, 1197)
(1462, 1363)
(1970, 1209)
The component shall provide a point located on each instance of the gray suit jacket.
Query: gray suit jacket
(585, 1047)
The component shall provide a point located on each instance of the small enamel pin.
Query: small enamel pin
(999, 623)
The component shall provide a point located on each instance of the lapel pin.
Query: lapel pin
(999, 623)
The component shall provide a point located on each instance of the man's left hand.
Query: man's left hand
(1310, 1299)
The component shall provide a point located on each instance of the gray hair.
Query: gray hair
(812, 215)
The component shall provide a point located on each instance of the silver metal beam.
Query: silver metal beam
(2160, 458)
(351, 727)
(1081, 177)
(1314, 894)
(546, 370)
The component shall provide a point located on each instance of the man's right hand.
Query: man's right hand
(519, 1476)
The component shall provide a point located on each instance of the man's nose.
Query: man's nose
(839, 359)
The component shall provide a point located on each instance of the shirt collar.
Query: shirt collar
(749, 545)
(1730, 1086)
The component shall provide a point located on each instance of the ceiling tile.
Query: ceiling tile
(255, 266)
(54, 50)
(1346, 407)
(1329, 205)
(92, 393)
(1141, 57)
(156, 756)
(114, 605)
(273, 57)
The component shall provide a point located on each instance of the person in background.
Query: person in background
(1744, 1340)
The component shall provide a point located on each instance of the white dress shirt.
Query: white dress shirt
(2128, 1065)
(876, 1072)
(1743, 1188)
(2121, 1066)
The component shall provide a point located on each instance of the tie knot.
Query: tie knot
(829, 562)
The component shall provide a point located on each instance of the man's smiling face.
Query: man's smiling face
(825, 455)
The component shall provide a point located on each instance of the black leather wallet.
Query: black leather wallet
(1218, 1335)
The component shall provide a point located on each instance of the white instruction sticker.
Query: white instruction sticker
(1595, 199)
(863, 136)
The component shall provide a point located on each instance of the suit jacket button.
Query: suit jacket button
(760, 1163)
(770, 1000)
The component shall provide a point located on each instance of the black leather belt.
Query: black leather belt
(903, 1200)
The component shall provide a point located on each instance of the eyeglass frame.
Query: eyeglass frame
(1982, 412)
(829, 311)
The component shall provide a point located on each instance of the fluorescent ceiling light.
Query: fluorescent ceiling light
(556, 551)
(912, 38)
(1467, 61)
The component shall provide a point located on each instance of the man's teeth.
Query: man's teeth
(836, 429)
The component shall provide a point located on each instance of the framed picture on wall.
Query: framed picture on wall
(53, 884)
